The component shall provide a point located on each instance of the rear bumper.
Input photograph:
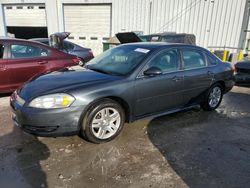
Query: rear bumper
(47, 122)
(229, 85)
(242, 79)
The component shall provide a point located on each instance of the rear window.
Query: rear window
(212, 60)
(1, 51)
(45, 42)
(68, 45)
(193, 59)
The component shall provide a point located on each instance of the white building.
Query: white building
(216, 23)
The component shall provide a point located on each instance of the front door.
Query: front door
(162, 92)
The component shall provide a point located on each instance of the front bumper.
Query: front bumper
(47, 122)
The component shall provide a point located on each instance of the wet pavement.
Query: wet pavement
(186, 149)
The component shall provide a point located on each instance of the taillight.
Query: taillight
(233, 67)
(76, 60)
(91, 53)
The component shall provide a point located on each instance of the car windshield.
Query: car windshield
(118, 61)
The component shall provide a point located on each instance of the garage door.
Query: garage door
(89, 25)
(25, 15)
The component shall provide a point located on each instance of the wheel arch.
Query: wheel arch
(125, 106)
(222, 83)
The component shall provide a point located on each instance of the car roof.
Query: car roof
(154, 45)
(39, 39)
(9, 40)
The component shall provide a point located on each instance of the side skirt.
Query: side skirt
(197, 106)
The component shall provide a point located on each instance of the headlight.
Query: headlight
(59, 100)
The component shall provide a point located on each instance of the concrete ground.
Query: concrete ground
(186, 149)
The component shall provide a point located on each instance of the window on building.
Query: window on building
(26, 51)
(193, 59)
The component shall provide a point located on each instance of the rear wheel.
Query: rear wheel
(103, 121)
(81, 62)
(213, 97)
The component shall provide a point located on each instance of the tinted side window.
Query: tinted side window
(1, 51)
(27, 51)
(167, 61)
(211, 60)
(45, 42)
(68, 46)
(193, 59)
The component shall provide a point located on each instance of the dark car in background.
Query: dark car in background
(21, 59)
(242, 73)
(85, 54)
(170, 37)
(123, 84)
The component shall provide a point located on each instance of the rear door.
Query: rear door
(197, 76)
(25, 61)
(4, 75)
(162, 92)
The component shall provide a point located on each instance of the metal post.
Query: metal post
(224, 55)
(3, 31)
(240, 55)
(52, 16)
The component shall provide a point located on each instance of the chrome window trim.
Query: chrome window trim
(140, 75)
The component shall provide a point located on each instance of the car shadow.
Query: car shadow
(20, 158)
(2, 95)
(207, 149)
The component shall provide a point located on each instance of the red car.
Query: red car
(21, 59)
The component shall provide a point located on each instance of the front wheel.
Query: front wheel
(213, 97)
(103, 121)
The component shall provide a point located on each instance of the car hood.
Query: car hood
(61, 81)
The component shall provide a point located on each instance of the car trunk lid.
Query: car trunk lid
(56, 39)
(127, 37)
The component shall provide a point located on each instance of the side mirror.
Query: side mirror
(152, 71)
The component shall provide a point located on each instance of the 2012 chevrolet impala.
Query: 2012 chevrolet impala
(121, 85)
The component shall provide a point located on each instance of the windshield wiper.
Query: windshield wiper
(102, 71)
(97, 70)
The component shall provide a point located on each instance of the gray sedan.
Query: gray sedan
(121, 85)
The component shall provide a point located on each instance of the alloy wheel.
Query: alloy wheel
(106, 123)
(215, 97)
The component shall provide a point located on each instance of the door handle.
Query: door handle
(176, 78)
(210, 73)
(2, 67)
(42, 62)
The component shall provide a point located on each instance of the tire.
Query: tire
(103, 121)
(81, 62)
(213, 97)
